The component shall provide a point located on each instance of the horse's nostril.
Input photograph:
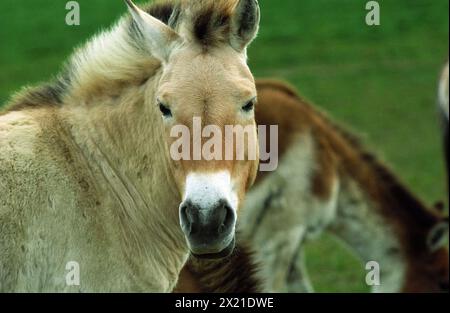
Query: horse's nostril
(186, 217)
(221, 228)
(185, 225)
(183, 213)
(228, 218)
(215, 221)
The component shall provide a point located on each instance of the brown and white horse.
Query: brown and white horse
(86, 173)
(327, 181)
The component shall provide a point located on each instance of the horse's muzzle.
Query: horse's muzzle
(209, 231)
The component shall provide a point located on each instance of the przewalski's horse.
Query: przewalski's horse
(326, 180)
(85, 169)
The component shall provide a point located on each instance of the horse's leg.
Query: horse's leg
(298, 278)
(278, 258)
(278, 231)
(277, 226)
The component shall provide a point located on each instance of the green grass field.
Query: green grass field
(381, 81)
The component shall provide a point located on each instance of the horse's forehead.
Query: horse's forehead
(209, 63)
(207, 75)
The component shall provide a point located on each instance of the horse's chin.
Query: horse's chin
(214, 256)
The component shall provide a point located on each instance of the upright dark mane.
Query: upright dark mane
(211, 24)
(208, 21)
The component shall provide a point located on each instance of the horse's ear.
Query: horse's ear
(159, 38)
(438, 236)
(244, 24)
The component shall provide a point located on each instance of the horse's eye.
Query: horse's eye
(249, 106)
(164, 110)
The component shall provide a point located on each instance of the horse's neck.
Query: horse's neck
(121, 139)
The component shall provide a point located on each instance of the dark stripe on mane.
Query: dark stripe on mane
(208, 20)
(210, 25)
(47, 94)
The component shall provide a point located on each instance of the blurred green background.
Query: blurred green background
(380, 80)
